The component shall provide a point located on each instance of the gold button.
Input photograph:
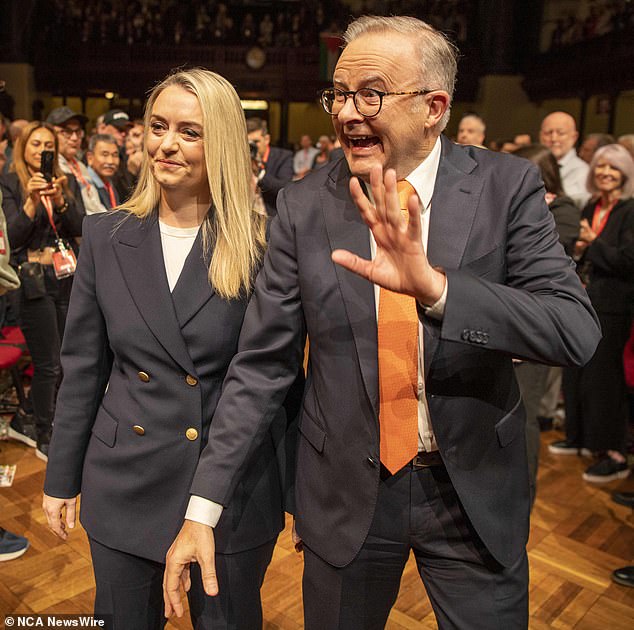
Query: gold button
(191, 434)
(191, 380)
(144, 376)
(138, 429)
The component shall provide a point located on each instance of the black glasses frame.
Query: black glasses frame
(331, 93)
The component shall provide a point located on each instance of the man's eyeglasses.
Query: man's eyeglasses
(367, 101)
(68, 133)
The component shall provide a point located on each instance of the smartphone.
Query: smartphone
(46, 166)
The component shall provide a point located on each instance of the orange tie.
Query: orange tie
(398, 370)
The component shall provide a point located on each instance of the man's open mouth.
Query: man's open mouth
(363, 141)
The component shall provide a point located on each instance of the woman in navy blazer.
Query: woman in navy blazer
(155, 314)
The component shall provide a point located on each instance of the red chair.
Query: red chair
(9, 358)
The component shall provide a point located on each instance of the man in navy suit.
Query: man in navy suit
(476, 267)
(276, 165)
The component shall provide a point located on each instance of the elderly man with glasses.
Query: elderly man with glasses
(69, 127)
(412, 426)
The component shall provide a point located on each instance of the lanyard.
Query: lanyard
(48, 205)
(113, 200)
(74, 167)
(599, 223)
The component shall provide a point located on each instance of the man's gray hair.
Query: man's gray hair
(438, 56)
(100, 137)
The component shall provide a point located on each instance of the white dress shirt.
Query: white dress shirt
(574, 172)
(422, 178)
(303, 159)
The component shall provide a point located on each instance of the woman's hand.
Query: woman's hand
(36, 186)
(55, 190)
(585, 232)
(54, 509)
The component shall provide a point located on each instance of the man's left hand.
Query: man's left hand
(194, 543)
(400, 263)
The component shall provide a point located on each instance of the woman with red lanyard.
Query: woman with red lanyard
(44, 211)
(596, 395)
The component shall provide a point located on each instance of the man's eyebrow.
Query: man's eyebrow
(367, 81)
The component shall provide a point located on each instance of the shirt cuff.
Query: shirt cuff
(261, 175)
(437, 310)
(203, 511)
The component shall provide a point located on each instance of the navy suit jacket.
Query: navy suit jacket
(123, 320)
(511, 292)
(279, 172)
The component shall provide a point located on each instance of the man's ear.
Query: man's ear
(89, 155)
(438, 104)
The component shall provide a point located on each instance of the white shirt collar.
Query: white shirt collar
(568, 157)
(423, 177)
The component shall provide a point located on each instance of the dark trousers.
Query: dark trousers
(417, 510)
(595, 396)
(42, 321)
(130, 590)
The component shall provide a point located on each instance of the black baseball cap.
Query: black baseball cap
(117, 118)
(61, 115)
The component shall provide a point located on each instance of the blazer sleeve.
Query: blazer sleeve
(540, 312)
(86, 364)
(20, 227)
(269, 358)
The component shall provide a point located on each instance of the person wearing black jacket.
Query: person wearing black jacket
(533, 377)
(596, 395)
(41, 214)
(276, 165)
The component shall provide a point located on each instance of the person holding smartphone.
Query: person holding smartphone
(44, 212)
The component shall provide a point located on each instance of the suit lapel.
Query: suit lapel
(137, 246)
(192, 290)
(346, 230)
(453, 208)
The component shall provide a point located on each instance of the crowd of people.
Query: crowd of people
(603, 17)
(277, 24)
(207, 258)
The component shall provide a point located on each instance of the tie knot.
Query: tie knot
(405, 191)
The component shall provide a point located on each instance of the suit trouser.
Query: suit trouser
(417, 510)
(130, 590)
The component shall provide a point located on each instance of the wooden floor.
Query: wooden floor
(578, 536)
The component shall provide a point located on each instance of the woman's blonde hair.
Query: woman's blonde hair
(234, 228)
(19, 165)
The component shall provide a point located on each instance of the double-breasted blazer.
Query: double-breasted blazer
(143, 371)
(511, 292)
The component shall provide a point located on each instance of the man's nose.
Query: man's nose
(348, 112)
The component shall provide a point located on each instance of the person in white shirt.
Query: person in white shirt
(303, 159)
(158, 300)
(559, 133)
